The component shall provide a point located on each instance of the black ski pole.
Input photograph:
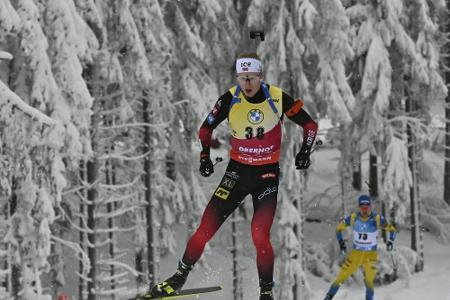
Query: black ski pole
(394, 267)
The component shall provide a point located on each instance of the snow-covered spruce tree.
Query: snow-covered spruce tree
(8, 28)
(25, 199)
(117, 78)
(37, 160)
(194, 92)
(363, 16)
(91, 14)
(420, 85)
(377, 33)
(125, 36)
(221, 32)
(425, 83)
(71, 45)
(304, 35)
(282, 45)
(333, 44)
(112, 176)
(153, 108)
(289, 269)
(447, 107)
(224, 42)
(384, 38)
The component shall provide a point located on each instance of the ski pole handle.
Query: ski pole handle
(218, 160)
(317, 144)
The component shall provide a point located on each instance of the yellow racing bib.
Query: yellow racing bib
(256, 128)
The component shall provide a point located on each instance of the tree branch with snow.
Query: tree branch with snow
(11, 101)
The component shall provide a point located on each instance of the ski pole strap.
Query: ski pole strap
(235, 97)
(269, 98)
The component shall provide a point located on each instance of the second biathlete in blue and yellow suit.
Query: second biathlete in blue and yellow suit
(365, 227)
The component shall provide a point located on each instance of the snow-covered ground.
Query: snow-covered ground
(432, 284)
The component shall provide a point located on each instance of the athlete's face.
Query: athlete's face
(365, 210)
(250, 83)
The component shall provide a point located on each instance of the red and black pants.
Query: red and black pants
(239, 181)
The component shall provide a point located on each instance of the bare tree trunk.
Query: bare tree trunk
(139, 266)
(15, 281)
(92, 176)
(447, 114)
(151, 261)
(56, 261)
(170, 165)
(343, 164)
(5, 247)
(298, 229)
(110, 180)
(416, 237)
(6, 284)
(357, 173)
(15, 268)
(81, 282)
(374, 176)
(92, 173)
(357, 66)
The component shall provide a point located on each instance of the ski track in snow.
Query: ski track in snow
(432, 284)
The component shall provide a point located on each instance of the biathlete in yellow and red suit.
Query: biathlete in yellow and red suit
(365, 226)
(255, 112)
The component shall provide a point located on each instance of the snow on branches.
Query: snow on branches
(11, 101)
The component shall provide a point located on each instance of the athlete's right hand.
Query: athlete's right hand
(206, 166)
(389, 245)
(342, 246)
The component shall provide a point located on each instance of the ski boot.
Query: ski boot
(328, 297)
(266, 290)
(171, 285)
(332, 291)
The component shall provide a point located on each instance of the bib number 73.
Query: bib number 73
(362, 236)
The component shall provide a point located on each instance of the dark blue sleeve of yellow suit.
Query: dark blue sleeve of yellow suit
(364, 252)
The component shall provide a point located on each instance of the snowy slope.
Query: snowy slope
(432, 284)
(323, 191)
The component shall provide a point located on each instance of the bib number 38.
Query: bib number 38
(259, 132)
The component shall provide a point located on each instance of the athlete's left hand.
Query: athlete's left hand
(389, 245)
(302, 160)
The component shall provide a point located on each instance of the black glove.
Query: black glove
(342, 246)
(302, 160)
(206, 166)
(389, 245)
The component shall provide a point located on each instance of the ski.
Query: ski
(183, 293)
